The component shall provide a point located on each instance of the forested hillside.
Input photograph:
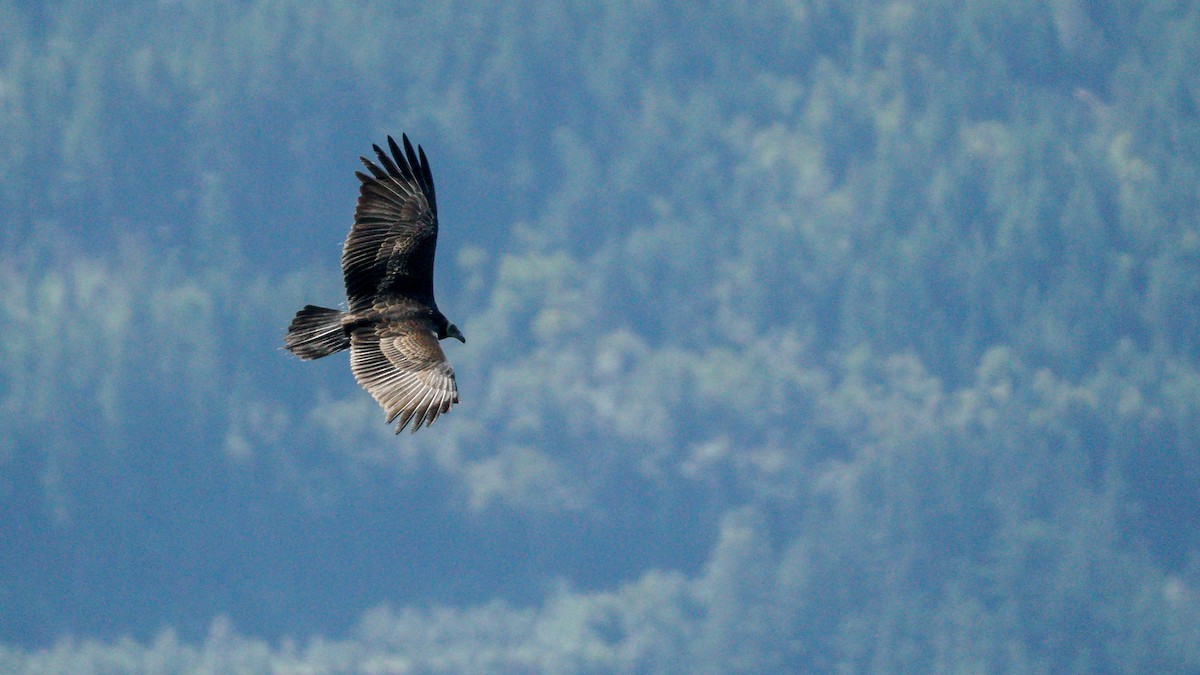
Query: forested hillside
(802, 336)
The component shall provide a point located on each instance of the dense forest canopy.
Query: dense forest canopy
(805, 335)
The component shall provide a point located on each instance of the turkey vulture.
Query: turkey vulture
(392, 324)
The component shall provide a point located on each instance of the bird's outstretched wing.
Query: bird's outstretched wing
(402, 366)
(391, 246)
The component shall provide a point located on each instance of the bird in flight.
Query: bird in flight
(392, 324)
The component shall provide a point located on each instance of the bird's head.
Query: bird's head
(452, 331)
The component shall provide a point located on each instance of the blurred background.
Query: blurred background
(802, 335)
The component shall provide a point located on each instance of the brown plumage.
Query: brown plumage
(392, 325)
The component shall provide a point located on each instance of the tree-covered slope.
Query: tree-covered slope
(801, 336)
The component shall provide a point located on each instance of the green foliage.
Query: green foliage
(802, 336)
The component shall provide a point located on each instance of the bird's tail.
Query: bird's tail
(316, 332)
